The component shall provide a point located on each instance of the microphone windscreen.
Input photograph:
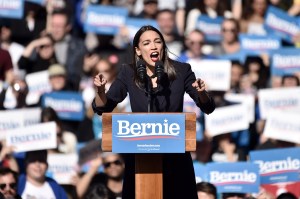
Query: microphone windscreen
(141, 69)
(159, 63)
(159, 69)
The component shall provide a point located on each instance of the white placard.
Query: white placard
(31, 115)
(38, 83)
(215, 73)
(227, 119)
(34, 137)
(283, 125)
(62, 167)
(1, 86)
(17, 118)
(248, 99)
(278, 99)
(189, 105)
(10, 119)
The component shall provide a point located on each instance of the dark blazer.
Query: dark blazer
(178, 171)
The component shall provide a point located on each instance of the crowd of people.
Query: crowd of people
(51, 37)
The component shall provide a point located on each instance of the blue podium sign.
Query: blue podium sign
(148, 133)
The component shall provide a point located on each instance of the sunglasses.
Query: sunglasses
(228, 30)
(116, 162)
(11, 185)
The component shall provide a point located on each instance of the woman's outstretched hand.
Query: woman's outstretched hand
(99, 83)
(199, 84)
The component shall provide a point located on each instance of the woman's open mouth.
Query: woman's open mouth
(154, 56)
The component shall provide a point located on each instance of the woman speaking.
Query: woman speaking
(155, 83)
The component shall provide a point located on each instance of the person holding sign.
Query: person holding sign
(167, 82)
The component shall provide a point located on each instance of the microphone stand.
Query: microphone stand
(150, 162)
(149, 92)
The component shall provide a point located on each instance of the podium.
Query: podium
(148, 166)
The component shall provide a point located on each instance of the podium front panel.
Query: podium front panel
(189, 125)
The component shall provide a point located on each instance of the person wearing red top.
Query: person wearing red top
(6, 66)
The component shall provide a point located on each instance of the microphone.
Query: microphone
(141, 69)
(159, 70)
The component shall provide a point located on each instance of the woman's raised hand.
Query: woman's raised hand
(99, 83)
(199, 84)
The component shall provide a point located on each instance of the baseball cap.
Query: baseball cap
(56, 70)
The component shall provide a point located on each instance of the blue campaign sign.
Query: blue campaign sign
(298, 20)
(277, 165)
(285, 61)
(148, 133)
(104, 19)
(40, 2)
(211, 27)
(200, 172)
(68, 105)
(259, 42)
(239, 177)
(11, 8)
(134, 24)
(238, 56)
(280, 23)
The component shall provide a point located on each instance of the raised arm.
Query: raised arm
(196, 89)
(99, 83)
(199, 84)
(85, 181)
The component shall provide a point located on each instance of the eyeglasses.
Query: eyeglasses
(116, 162)
(11, 185)
(232, 30)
